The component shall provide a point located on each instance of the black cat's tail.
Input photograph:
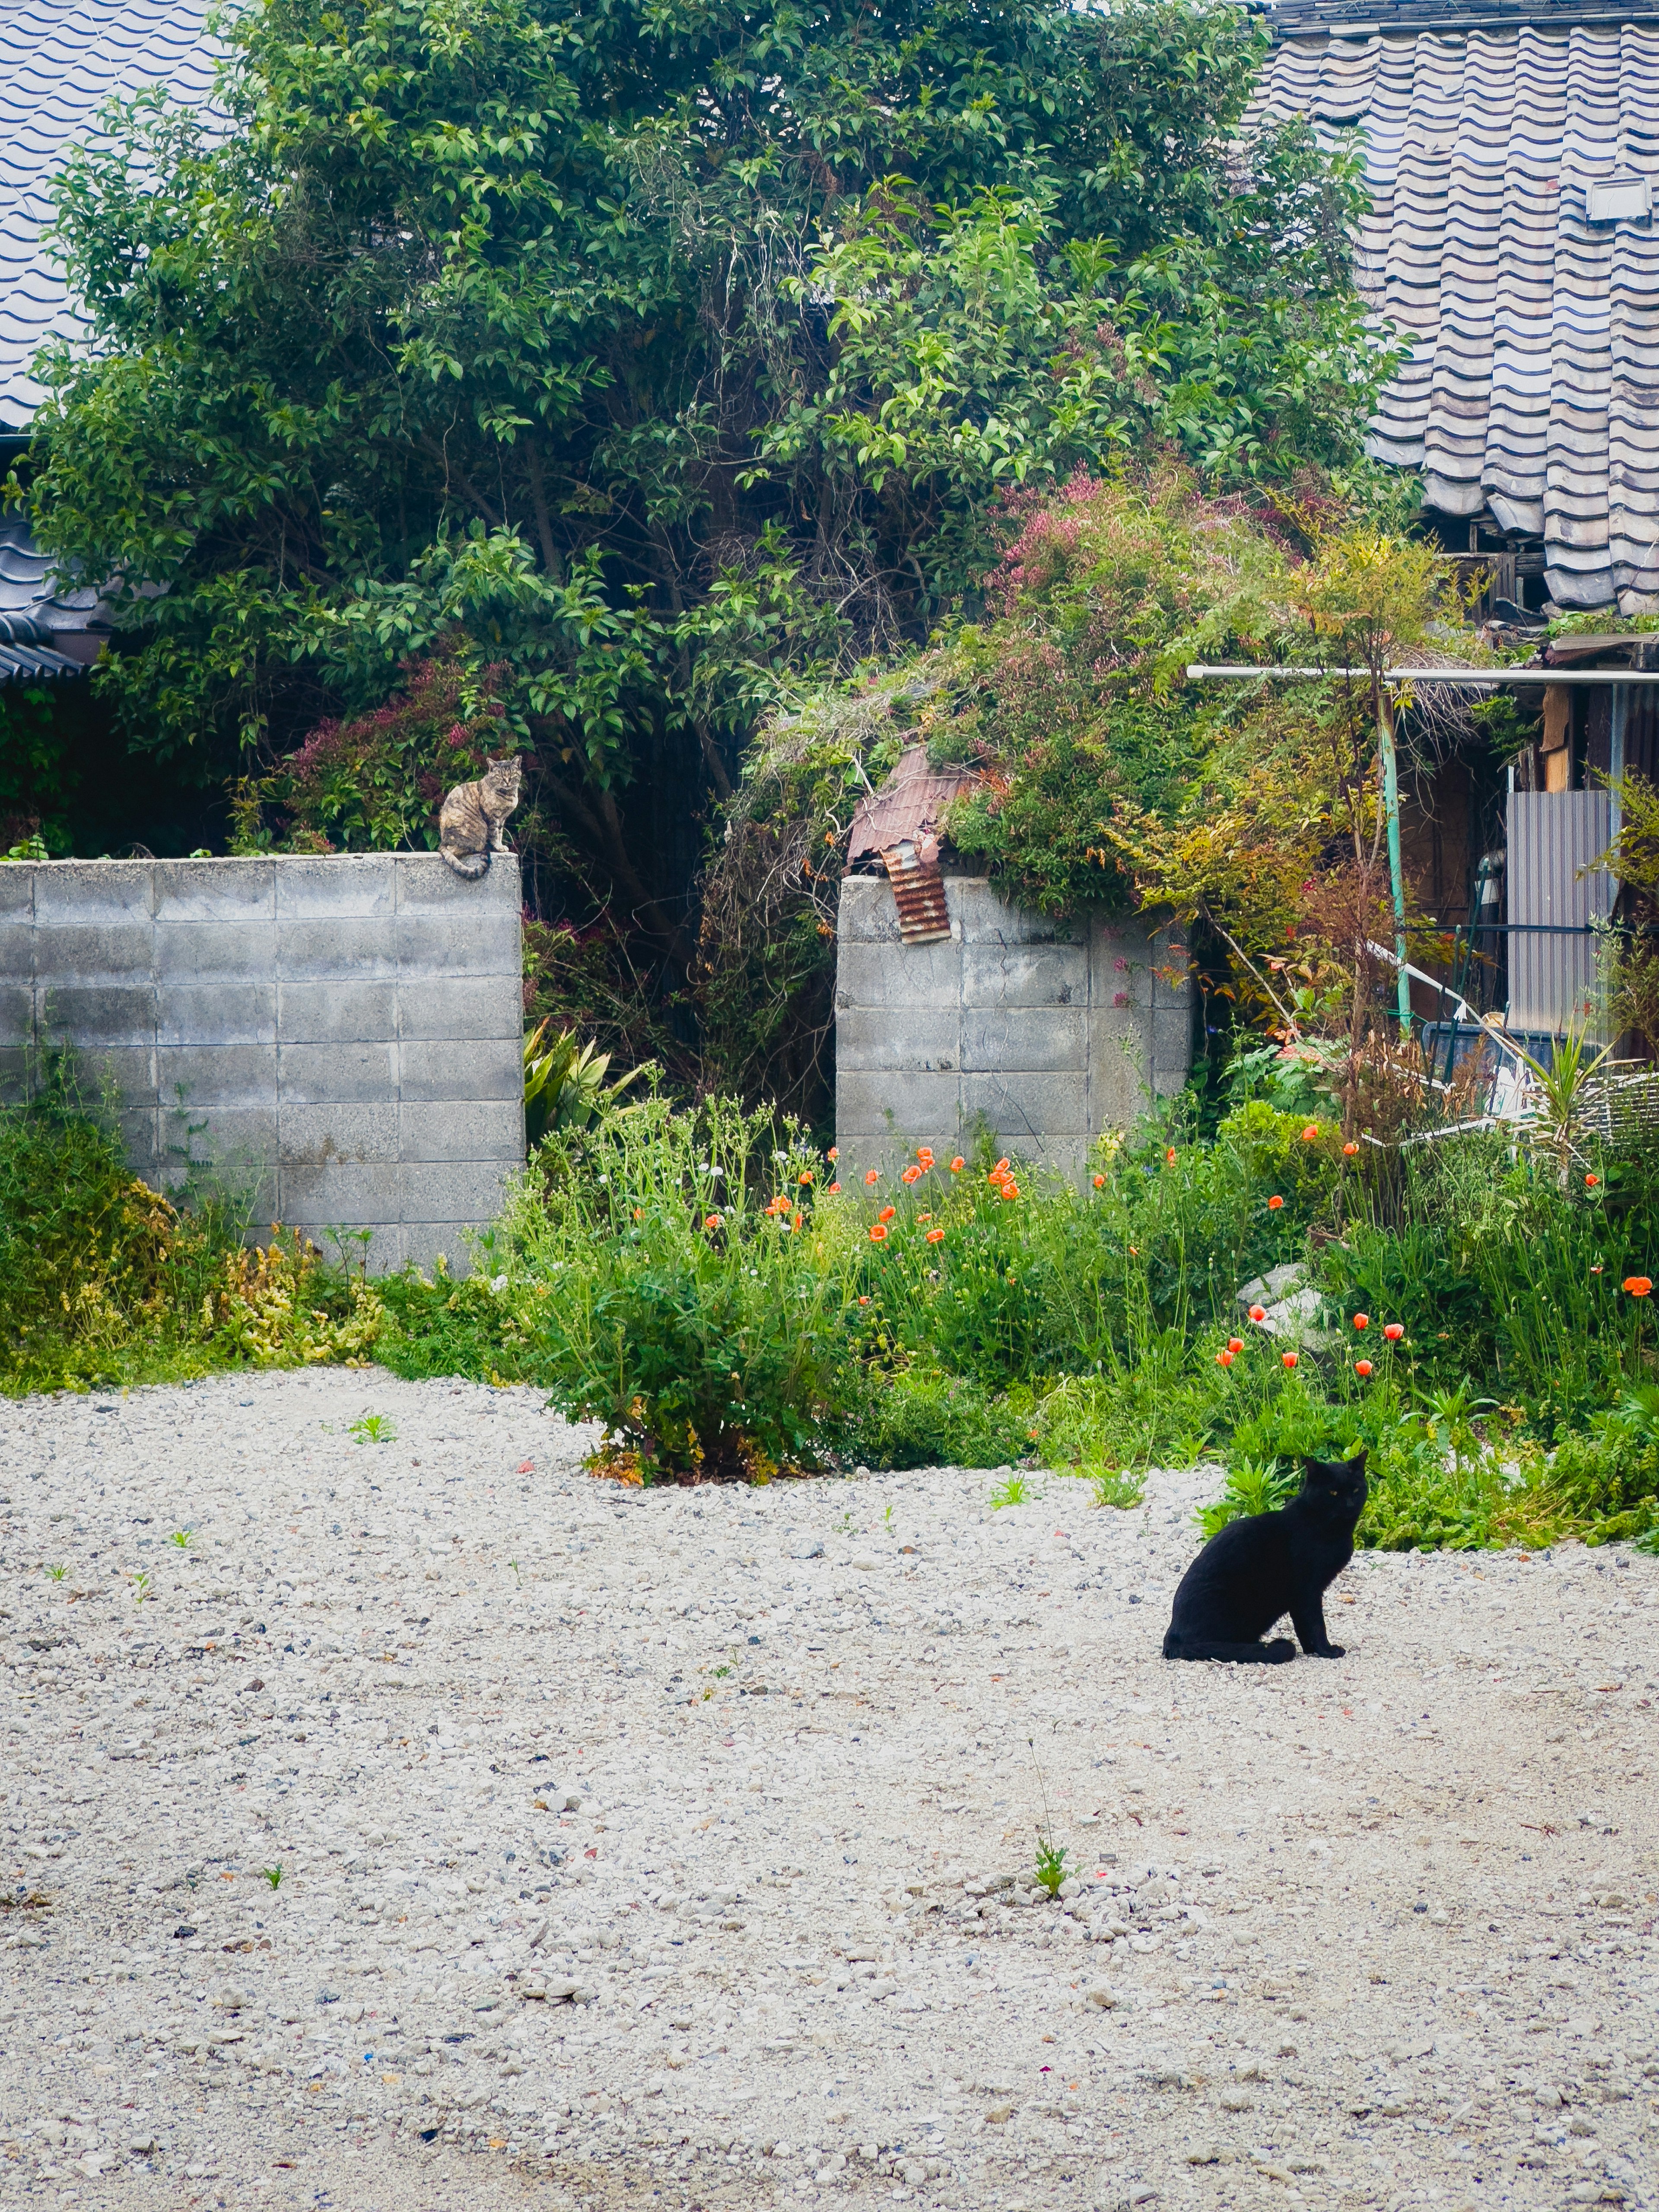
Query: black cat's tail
(1244, 1654)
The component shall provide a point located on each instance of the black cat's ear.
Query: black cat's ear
(1357, 1464)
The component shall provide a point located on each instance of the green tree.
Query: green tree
(664, 356)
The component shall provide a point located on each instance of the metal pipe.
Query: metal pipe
(1494, 677)
(1396, 875)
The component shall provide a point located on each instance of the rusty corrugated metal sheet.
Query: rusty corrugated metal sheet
(911, 804)
(1552, 834)
(918, 893)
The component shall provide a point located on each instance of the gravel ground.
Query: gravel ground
(675, 1848)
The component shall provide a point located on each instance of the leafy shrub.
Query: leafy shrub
(922, 1416)
(264, 1309)
(673, 1275)
(1251, 1487)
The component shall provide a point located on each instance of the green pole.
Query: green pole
(1396, 877)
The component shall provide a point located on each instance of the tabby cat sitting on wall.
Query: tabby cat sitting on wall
(472, 823)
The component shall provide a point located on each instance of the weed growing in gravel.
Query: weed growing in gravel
(1111, 1487)
(1016, 1490)
(273, 1875)
(182, 1538)
(141, 1588)
(372, 1429)
(1050, 1867)
(57, 1573)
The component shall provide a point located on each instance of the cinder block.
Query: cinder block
(424, 1242)
(355, 947)
(311, 1136)
(16, 1014)
(94, 895)
(1035, 1038)
(425, 881)
(93, 952)
(347, 1193)
(127, 1072)
(343, 1011)
(484, 1130)
(16, 896)
(870, 1039)
(205, 1078)
(457, 1007)
(1172, 1032)
(986, 918)
(241, 1141)
(472, 1191)
(94, 1014)
(440, 1070)
(381, 1250)
(146, 1154)
(1027, 1108)
(335, 886)
(483, 941)
(865, 913)
(915, 1109)
(885, 972)
(14, 1075)
(239, 1012)
(1025, 975)
(221, 892)
(337, 1074)
(213, 952)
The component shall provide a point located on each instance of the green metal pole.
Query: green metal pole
(1396, 877)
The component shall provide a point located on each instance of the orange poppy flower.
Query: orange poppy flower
(1362, 1321)
(1274, 1203)
(1225, 1358)
(711, 1221)
(1310, 1133)
(957, 1164)
(925, 1155)
(1235, 1343)
(1289, 1358)
(1394, 1331)
(935, 1235)
(871, 1176)
(1010, 1190)
(1100, 1182)
(833, 1189)
(1349, 1150)
(1258, 1313)
(834, 1152)
(887, 1213)
(1361, 1367)
(1637, 1285)
(1170, 1156)
(911, 1175)
(1590, 1182)
(805, 1177)
(878, 1232)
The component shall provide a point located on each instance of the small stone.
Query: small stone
(998, 2116)
(1203, 2155)
(1106, 1999)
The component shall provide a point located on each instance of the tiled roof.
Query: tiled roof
(60, 60)
(1532, 388)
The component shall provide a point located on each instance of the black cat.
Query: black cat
(1254, 1571)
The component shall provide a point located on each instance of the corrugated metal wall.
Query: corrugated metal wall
(1552, 834)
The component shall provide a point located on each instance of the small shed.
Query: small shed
(956, 1009)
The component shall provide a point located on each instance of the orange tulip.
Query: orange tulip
(1361, 1367)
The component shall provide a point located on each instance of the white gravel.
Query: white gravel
(570, 1910)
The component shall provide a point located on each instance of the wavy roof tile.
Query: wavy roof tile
(1531, 390)
(60, 60)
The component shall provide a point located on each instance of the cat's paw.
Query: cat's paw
(1279, 1650)
(1331, 1651)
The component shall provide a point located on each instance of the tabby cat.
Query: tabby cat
(1254, 1571)
(472, 823)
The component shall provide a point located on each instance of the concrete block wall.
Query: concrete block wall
(1051, 1034)
(344, 1032)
